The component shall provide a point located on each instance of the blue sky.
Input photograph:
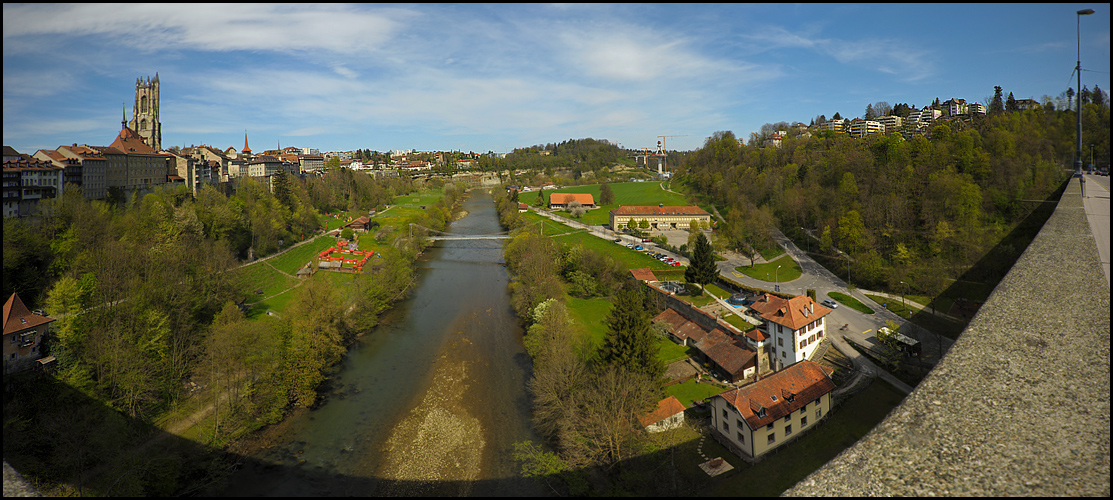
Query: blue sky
(484, 78)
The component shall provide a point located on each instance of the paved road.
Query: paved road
(861, 327)
(1095, 201)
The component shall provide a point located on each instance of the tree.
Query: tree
(851, 232)
(606, 194)
(870, 113)
(1084, 96)
(540, 202)
(836, 117)
(629, 343)
(1010, 104)
(1098, 97)
(702, 269)
(282, 188)
(347, 234)
(996, 106)
(882, 108)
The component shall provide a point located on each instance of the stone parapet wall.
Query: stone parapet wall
(1020, 403)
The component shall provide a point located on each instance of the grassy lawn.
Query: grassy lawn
(771, 252)
(671, 351)
(894, 305)
(260, 276)
(630, 258)
(625, 193)
(850, 302)
(294, 259)
(590, 313)
(790, 270)
(548, 226)
(690, 390)
(738, 322)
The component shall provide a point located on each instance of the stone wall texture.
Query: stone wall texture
(1019, 405)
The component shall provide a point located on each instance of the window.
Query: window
(726, 426)
(724, 413)
(741, 438)
(788, 417)
(803, 421)
(788, 430)
(819, 334)
(818, 413)
(780, 341)
(803, 343)
(772, 438)
(738, 424)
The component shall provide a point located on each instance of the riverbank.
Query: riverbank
(428, 403)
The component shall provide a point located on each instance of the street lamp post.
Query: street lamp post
(902, 301)
(777, 274)
(1078, 90)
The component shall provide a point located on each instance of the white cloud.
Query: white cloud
(214, 27)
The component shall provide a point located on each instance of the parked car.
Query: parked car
(675, 263)
(830, 304)
(637, 247)
(618, 240)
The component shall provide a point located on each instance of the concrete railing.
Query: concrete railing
(1020, 403)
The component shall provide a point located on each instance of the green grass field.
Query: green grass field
(690, 390)
(850, 302)
(625, 194)
(789, 271)
(895, 305)
(296, 258)
(630, 258)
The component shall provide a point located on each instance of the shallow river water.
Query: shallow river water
(429, 403)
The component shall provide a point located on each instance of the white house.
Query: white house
(794, 326)
(668, 415)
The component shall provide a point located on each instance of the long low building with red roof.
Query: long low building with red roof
(659, 217)
(562, 200)
(754, 419)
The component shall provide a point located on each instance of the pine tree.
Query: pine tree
(1010, 104)
(702, 269)
(870, 114)
(996, 106)
(629, 343)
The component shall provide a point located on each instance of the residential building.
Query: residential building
(192, 172)
(668, 415)
(924, 116)
(956, 107)
(720, 345)
(263, 166)
(794, 326)
(774, 139)
(977, 108)
(28, 180)
(659, 217)
(94, 170)
(836, 125)
(132, 165)
(562, 200)
(890, 123)
(753, 420)
(312, 162)
(71, 167)
(862, 128)
(23, 335)
(1023, 104)
(311, 151)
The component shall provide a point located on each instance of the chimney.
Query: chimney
(811, 307)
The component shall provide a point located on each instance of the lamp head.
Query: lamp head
(1085, 12)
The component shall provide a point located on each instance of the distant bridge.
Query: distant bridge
(436, 235)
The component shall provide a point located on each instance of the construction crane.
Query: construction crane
(662, 150)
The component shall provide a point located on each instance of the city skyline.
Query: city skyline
(495, 77)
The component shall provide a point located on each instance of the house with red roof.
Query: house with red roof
(753, 420)
(719, 344)
(659, 217)
(793, 327)
(23, 335)
(562, 200)
(668, 415)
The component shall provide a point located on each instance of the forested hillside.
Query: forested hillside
(923, 210)
(143, 297)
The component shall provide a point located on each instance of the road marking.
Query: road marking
(867, 331)
(736, 274)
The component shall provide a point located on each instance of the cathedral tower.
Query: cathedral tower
(145, 118)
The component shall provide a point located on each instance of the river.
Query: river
(428, 403)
